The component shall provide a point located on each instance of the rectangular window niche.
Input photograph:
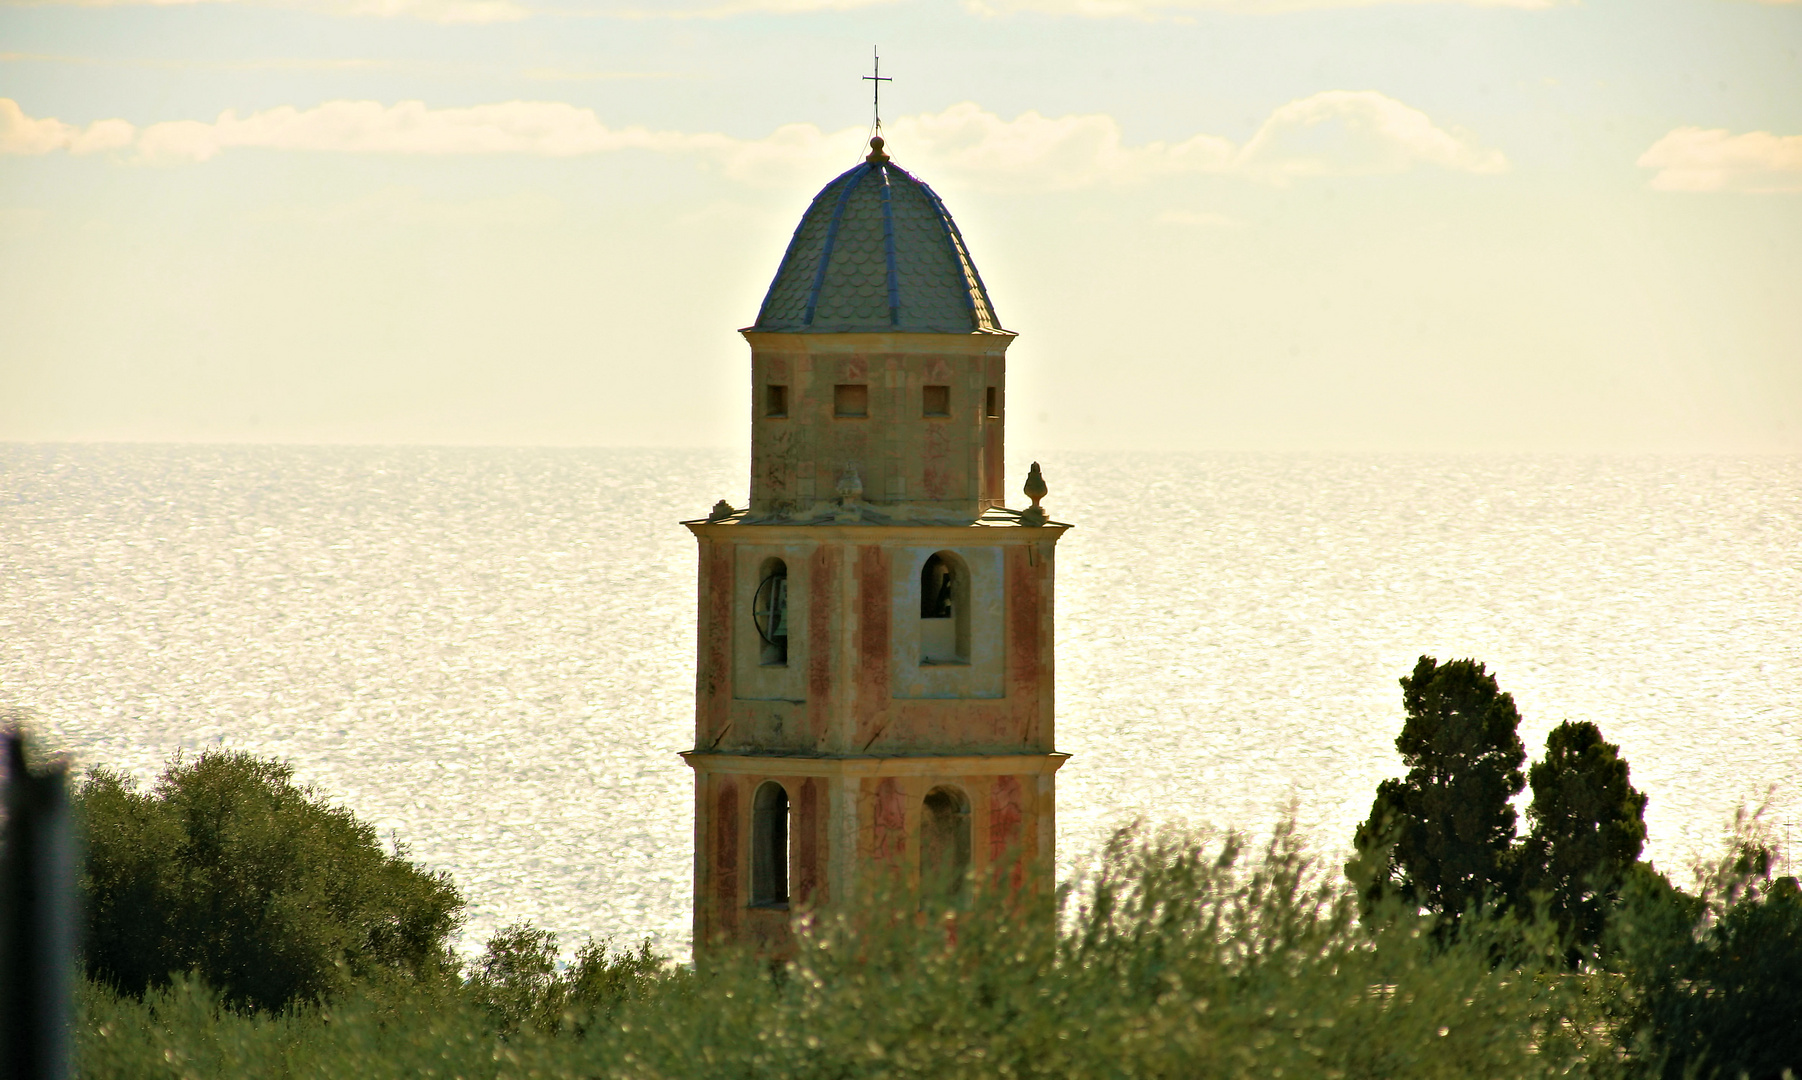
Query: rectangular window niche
(851, 400)
(935, 401)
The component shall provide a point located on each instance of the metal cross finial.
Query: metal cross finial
(876, 82)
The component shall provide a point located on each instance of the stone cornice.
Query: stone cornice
(990, 532)
(873, 765)
(987, 342)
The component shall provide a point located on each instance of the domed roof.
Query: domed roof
(877, 252)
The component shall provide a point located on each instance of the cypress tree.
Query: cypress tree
(1443, 835)
(1587, 829)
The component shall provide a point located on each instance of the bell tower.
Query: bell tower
(873, 691)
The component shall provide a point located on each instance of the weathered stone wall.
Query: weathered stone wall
(855, 828)
(855, 727)
(910, 464)
(854, 680)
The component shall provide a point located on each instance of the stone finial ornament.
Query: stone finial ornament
(1035, 490)
(850, 490)
(721, 511)
(850, 485)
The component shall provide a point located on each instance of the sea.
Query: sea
(488, 653)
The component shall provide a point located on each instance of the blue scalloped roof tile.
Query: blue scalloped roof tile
(838, 276)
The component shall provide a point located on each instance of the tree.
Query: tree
(1740, 1009)
(517, 981)
(268, 893)
(1714, 980)
(1587, 829)
(1442, 836)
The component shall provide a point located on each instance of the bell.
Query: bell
(779, 608)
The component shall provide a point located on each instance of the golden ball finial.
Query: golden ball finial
(876, 157)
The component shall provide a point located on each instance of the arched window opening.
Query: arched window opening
(944, 610)
(769, 846)
(769, 611)
(944, 847)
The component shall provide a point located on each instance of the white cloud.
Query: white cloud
(20, 134)
(1332, 133)
(722, 9)
(546, 74)
(439, 11)
(972, 147)
(1715, 159)
(538, 128)
(1359, 133)
(409, 206)
(490, 11)
(442, 11)
(545, 128)
(1167, 9)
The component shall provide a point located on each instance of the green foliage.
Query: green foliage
(516, 979)
(1691, 986)
(1587, 829)
(186, 1031)
(1179, 958)
(1715, 979)
(518, 983)
(1443, 836)
(600, 982)
(227, 870)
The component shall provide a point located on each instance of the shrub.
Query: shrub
(518, 983)
(600, 983)
(186, 1031)
(1715, 979)
(1182, 957)
(227, 870)
(516, 979)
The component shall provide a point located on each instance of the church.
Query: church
(874, 705)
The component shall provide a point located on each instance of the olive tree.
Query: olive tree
(227, 870)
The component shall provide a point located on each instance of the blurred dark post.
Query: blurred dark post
(37, 919)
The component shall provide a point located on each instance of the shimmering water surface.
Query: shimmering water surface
(489, 652)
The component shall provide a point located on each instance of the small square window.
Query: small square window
(775, 401)
(992, 404)
(936, 401)
(852, 399)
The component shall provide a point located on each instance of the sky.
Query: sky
(1269, 225)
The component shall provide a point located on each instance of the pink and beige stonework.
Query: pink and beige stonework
(874, 688)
